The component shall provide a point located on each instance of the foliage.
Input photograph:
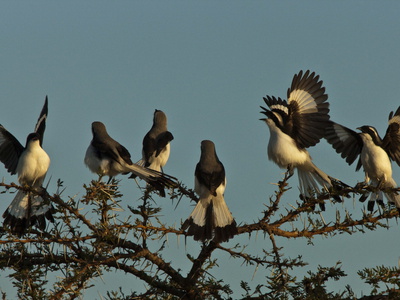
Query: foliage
(91, 237)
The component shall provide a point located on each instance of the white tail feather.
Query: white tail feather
(221, 214)
(19, 207)
(199, 212)
(310, 182)
(142, 172)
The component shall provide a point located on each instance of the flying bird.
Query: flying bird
(374, 155)
(297, 124)
(156, 143)
(31, 164)
(105, 156)
(211, 218)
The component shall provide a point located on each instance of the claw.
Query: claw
(290, 169)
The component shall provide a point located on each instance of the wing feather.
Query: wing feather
(41, 122)
(10, 150)
(391, 141)
(345, 141)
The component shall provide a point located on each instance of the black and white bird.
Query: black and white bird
(374, 155)
(156, 143)
(297, 124)
(211, 218)
(105, 156)
(31, 164)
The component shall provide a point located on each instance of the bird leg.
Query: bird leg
(290, 169)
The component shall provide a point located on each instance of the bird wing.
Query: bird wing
(162, 141)
(10, 150)
(124, 153)
(345, 141)
(154, 146)
(391, 141)
(112, 149)
(211, 180)
(308, 111)
(41, 122)
(149, 147)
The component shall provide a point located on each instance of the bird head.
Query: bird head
(159, 117)
(98, 128)
(371, 132)
(32, 137)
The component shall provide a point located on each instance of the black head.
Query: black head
(98, 128)
(159, 117)
(371, 131)
(209, 154)
(207, 145)
(278, 116)
(34, 136)
(266, 112)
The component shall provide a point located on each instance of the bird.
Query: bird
(156, 143)
(31, 163)
(105, 156)
(211, 218)
(375, 155)
(296, 124)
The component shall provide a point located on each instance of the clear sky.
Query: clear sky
(207, 65)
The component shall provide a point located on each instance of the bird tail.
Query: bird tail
(155, 165)
(156, 179)
(211, 219)
(141, 162)
(27, 210)
(374, 197)
(393, 197)
(311, 181)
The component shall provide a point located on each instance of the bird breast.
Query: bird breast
(32, 166)
(95, 163)
(375, 161)
(282, 149)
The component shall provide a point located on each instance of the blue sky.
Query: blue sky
(207, 65)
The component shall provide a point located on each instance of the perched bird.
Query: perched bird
(374, 155)
(156, 147)
(297, 124)
(31, 164)
(105, 156)
(211, 218)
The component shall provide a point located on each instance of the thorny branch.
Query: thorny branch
(96, 245)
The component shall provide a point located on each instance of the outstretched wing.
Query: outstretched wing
(308, 109)
(391, 141)
(10, 150)
(41, 122)
(305, 115)
(345, 141)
